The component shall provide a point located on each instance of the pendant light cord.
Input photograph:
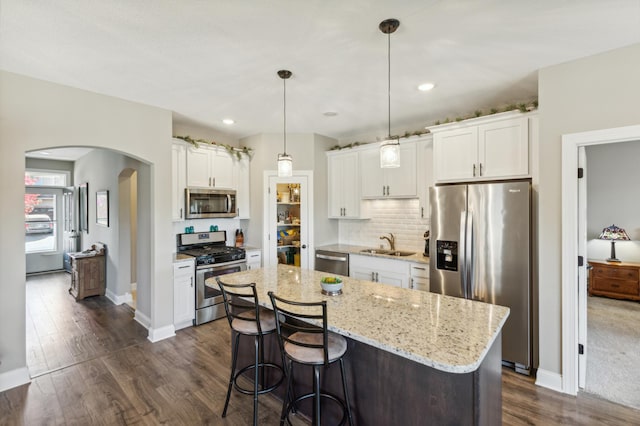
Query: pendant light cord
(284, 82)
(389, 81)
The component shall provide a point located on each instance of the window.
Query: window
(40, 225)
(46, 178)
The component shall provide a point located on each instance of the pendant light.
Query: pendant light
(390, 149)
(285, 162)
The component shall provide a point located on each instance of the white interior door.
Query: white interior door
(288, 222)
(582, 271)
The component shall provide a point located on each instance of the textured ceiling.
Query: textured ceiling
(208, 60)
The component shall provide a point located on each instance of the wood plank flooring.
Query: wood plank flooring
(95, 366)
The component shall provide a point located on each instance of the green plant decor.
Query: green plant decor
(232, 150)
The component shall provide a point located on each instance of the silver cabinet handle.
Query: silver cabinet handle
(180, 213)
(191, 281)
(474, 170)
(183, 267)
(383, 192)
(373, 276)
(422, 212)
(411, 283)
(419, 268)
(388, 193)
(214, 181)
(480, 169)
(209, 180)
(327, 257)
(377, 278)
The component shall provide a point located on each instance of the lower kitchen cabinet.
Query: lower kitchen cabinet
(254, 258)
(184, 294)
(419, 276)
(619, 280)
(380, 270)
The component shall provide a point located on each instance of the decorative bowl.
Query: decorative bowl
(331, 284)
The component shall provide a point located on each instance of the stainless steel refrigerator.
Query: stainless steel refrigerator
(481, 250)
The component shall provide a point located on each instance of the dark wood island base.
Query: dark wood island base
(387, 389)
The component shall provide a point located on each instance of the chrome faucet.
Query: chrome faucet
(392, 240)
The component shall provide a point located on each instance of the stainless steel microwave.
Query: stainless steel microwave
(209, 202)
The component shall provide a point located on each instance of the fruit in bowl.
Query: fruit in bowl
(331, 284)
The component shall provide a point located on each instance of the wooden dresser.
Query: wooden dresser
(87, 275)
(615, 279)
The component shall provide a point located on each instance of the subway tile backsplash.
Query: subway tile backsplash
(400, 217)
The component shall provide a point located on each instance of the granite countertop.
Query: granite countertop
(347, 248)
(446, 333)
(179, 257)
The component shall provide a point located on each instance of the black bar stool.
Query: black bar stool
(247, 318)
(306, 344)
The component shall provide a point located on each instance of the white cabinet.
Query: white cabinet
(179, 179)
(397, 182)
(379, 269)
(254, 258)
(344, 185)
(243, 195)
(424, 173)
(482, 149)
(419, 276)
(184, 294)
(210, 167)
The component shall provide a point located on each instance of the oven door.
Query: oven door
(209, 296)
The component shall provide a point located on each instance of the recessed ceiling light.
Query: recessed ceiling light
(425, 87)
(228, 121)
(330, 114)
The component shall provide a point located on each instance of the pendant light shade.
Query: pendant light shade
(285, 162)
(390, 149)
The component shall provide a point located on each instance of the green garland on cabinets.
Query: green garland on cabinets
(232, 150)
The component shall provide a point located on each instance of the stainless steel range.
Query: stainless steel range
(213, 258)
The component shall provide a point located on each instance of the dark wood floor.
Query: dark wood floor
(94, 365)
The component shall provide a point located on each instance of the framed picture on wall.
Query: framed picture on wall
(83, 207)
(102, 208)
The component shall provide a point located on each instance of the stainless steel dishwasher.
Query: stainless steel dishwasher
(333, 262)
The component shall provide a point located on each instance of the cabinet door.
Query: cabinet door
(198, 164)
(424, 174)
(222, 169)
(418, 283)
(243, 196)
(336, 193)
(179, 180)
(184, 302)
(401, 181)
(371, 175)
(455, 153)
(503, 148)
(362, 273)
(254, 259)
(393, 278)
(344, 191)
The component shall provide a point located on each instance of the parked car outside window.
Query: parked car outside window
(38, 224)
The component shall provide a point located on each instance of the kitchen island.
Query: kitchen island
(413, 358)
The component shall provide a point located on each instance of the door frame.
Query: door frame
(570, 318)
(297, 174)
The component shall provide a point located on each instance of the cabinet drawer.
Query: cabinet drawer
(615, 286)
(420, 271)
(616, 272)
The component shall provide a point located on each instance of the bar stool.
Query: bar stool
(306, 344)
(246, 318)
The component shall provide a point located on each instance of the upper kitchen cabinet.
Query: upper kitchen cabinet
(424, 172)
(344, 185)
(179, 178)
(397, 182)
(210, 167)
(494, 147)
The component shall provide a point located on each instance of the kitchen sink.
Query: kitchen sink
(375, 251)
(400, 253)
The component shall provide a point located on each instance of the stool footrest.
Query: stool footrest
(263, 390)
(334, 398)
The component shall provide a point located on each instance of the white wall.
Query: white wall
(597, 92)
(613, 197)
(183, 128)
(38, 115)
(308, 153)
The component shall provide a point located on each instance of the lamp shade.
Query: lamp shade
(285, 165)
(614, 233)
(390, 154)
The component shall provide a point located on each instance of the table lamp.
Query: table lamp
(613, 233)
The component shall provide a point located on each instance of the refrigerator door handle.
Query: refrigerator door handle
(468, 256)
(462, 250)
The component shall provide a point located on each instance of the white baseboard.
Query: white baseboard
(118, 299)
(549, 380)
(142, 319)
(13, 378)
(157, 334)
